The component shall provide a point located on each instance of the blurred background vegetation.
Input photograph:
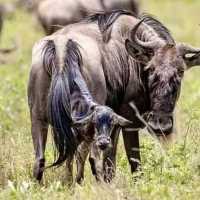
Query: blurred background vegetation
(170, 173)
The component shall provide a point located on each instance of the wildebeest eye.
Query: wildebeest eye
(150, 69)
(180, 72)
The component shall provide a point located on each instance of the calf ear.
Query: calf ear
(78, 123)
(122, 121)
(137, 52)
(192, 60)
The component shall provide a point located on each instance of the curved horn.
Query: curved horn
(134, 30)
(150, 44)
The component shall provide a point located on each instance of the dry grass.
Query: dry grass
(174, 174)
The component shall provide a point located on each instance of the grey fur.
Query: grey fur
(140, 66)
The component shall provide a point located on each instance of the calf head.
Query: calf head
(104, 120)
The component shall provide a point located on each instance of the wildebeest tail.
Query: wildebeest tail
(59, 109)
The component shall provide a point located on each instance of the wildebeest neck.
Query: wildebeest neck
(116, 70)
(125, 78)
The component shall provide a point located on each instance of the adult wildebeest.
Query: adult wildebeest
(124, 59)
(5, 10)
(57, 87)
(30, 5)
(54, 14)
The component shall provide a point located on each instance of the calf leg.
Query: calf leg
(105, 168)
(131, 143)
(81, 156)
(109, 161)
(96, 163)
(69, 170)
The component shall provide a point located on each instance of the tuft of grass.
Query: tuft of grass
(169, 173)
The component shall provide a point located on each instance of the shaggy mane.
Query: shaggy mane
(106, 19)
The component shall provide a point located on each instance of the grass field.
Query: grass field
(170, 173)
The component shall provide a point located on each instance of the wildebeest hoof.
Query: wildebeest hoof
(79, 180)
(39, 169)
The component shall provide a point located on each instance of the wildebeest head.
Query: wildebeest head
(164, 62)
(104, 120)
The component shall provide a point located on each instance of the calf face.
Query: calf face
(103, 119)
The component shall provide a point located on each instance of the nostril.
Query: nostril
(103, 144)
(161, 122)
(166, 124)
(108, 140)
(169, 125)
(150, 115)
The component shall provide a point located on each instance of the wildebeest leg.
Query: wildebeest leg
(37, 96)
(39, 135)
(131, 143)
(81, 156)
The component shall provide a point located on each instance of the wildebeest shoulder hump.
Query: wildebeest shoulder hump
(106, 19)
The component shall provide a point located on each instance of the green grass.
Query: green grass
(172, 173)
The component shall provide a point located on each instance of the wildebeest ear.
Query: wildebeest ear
(192, 60)
(191, 55)
(137, 52)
